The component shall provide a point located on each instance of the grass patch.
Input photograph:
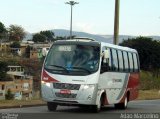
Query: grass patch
(149, 94)
(20, 103)
(148, 82)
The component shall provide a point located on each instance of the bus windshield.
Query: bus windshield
(73, 59)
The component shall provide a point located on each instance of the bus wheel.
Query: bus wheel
(51, 106)
(122, 105)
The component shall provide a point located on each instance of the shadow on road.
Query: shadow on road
(106, 109)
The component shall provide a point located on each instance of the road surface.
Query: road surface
(148, 109)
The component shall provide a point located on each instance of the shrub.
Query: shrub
(9, 95)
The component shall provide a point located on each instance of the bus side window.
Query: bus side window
(106, 63)
(130, 61)
(135, 62)
(126, 64)
(114, 60)
(120, 57)
(110, 59)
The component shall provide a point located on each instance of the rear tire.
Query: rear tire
(51, 106)
(122, 105)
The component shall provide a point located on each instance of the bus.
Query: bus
(85, 72)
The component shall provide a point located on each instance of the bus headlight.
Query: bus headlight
(46, 83)
(89, 86)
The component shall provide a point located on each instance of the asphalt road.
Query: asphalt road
(148, 109)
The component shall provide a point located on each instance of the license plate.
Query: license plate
(65, 91)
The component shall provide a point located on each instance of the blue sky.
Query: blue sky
(137, 17)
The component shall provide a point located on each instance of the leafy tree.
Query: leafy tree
(33, 67)
(64, 37)
(28, 49)
(72, 37)
(48, 34)
(60, 38)
(3, 70)
(16, 33)
(9, 95)
(15, 45)
(149, 52)
(39, 38)
(3, 31)
(2, 27)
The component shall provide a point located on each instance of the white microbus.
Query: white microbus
(84, 72)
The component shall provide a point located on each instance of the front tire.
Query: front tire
(51, 106)
(97, 108)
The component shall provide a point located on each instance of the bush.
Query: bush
(15, 45)
(3, 70)
(9, 95)
(149, 53)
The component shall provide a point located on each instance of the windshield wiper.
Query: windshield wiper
(82, 69)
(59, 67)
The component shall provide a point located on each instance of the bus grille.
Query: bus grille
(66, 86)
(65, 95)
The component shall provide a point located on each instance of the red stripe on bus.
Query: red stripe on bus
(132, 87)
(47, 78)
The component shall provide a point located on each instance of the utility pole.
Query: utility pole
(72, 3)
(116, 23)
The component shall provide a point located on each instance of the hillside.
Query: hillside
(102, 38)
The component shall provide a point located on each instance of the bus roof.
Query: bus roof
(118, 47)
(90, 40)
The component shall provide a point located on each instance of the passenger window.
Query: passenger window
(125, 56)
(120, 57)
(109, 60)
(130, 62)
(106, 63)
(114, 60)
(135, 62)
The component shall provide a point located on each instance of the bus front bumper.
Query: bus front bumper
(86, 95)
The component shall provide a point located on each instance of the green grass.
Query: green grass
(19, 103)
(149, 94)
(148, 82)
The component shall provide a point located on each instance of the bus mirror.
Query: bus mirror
(106, 54)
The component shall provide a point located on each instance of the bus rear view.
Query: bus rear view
(72, 75)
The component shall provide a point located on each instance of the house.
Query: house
(39, 50)
(36, 53)
(5, 46)
(21, 85)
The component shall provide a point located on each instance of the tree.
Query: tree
(15, 45)
(9, 95)
(28, 49)
(48, 34)
(149, 52)
(3, 70)
(60, 38)
(33, 67)
(2, 28)
(16, 33)
(72, 37)
(39, 37)
(3, 31)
